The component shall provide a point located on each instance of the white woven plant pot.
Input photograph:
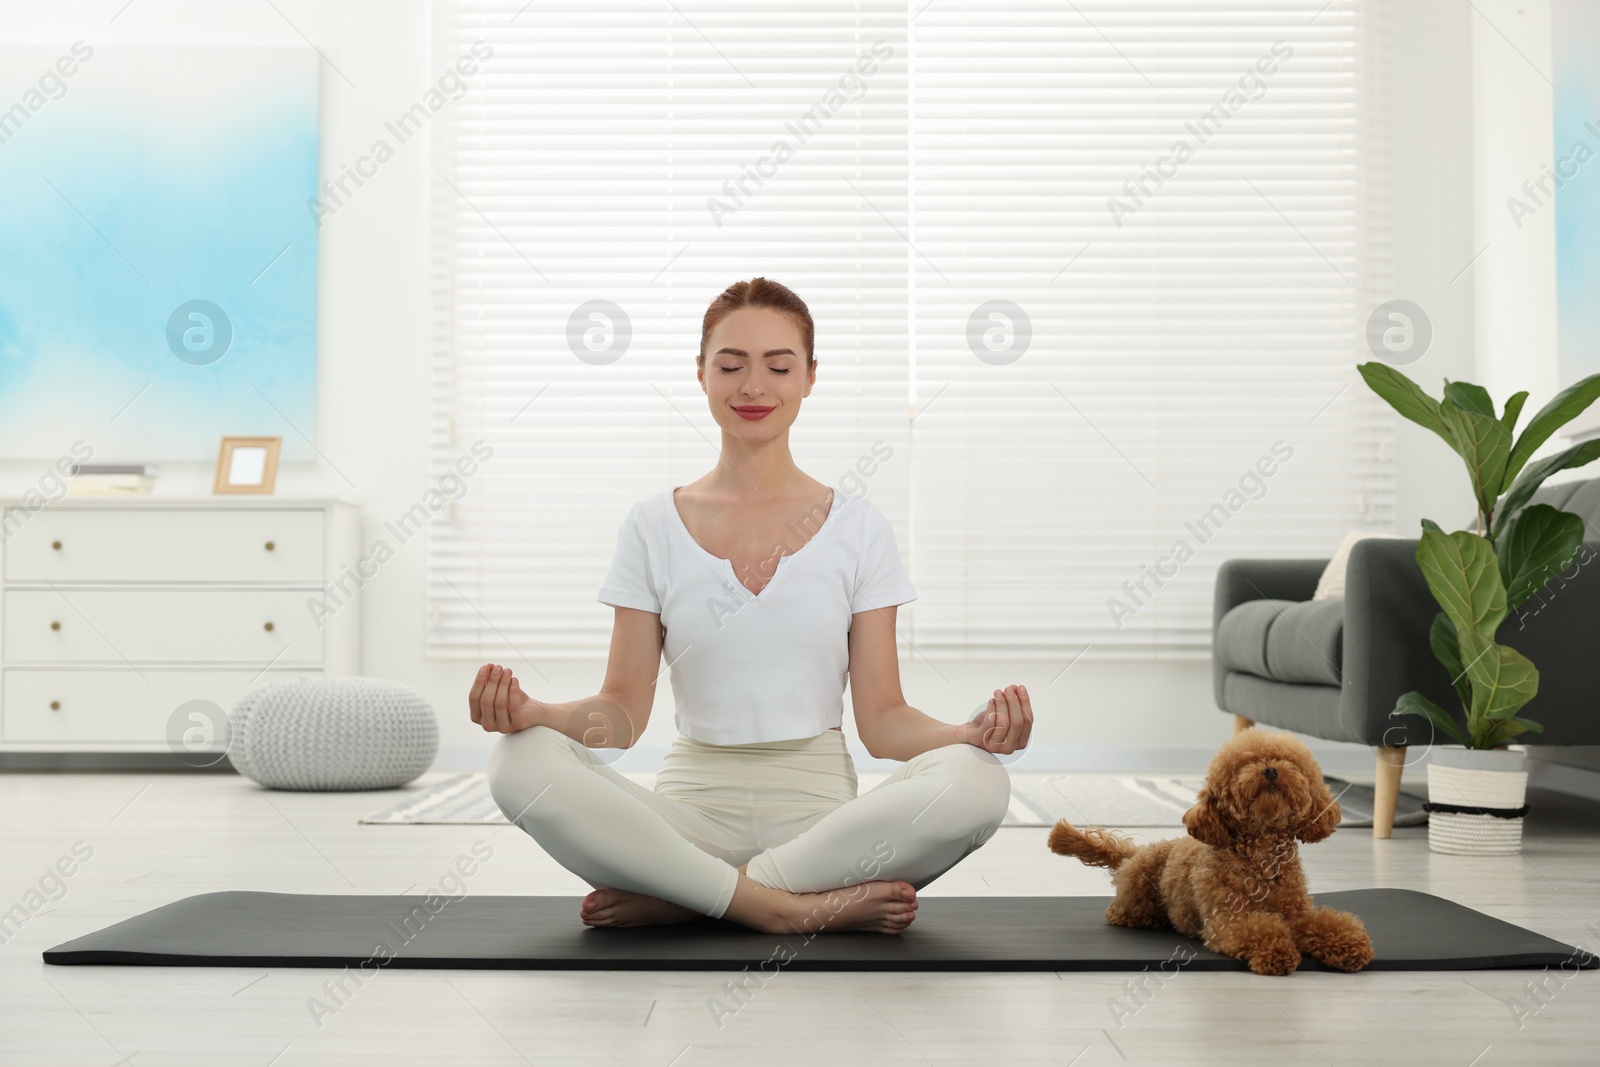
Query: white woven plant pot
(1470, 778)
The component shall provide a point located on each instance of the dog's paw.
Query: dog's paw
(1137, 913)
(1274, 959)
(1335, 938)
(1351, 956)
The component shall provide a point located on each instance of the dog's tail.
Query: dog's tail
(1095, 846)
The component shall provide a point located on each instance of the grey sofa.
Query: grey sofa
(1334, 668)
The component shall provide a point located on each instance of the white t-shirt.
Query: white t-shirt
(752, 667)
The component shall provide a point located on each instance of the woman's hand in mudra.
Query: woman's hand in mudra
(1002, 727)
(498, 703)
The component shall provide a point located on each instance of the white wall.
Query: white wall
(1516, 288)
(373, 333)
(1431, 139)
(1515, 280)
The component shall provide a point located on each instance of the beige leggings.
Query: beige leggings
(787, 808)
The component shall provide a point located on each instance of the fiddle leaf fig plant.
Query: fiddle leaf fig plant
(1479, 576)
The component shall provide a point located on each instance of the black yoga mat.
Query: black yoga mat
(1410, 931)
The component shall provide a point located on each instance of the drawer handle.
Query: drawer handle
(55, 626)
(271, 546)
(56, 545)
(268, 627)
(55, 705)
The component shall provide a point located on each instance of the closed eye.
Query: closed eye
(775, 370)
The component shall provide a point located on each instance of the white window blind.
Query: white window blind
(614, 151)
(998, 173)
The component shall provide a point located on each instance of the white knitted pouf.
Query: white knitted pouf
(333, 734)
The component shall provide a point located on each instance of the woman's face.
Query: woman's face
(755, 360)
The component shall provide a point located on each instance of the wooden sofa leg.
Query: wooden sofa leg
(1391, 762)
(1242, 723)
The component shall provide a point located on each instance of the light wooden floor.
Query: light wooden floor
(160, 837)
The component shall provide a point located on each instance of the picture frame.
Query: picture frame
(247, 465)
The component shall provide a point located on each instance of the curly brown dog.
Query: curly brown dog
(1236, 880)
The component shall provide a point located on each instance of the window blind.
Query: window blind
(1052, 344)
(648, 155)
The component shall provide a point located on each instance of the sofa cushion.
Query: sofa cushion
(1582, 498)
(1331, 585)
(1285, 640)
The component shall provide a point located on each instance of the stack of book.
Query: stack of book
(112, 477)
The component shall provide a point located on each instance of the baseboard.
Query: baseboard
(109, 762)
(1564, 778)
(1343, 760)
(1336, 759)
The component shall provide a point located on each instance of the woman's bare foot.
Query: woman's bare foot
(619, 907)
(885, 908)
(874, 907)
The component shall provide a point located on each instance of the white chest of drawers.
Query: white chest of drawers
(116, 611)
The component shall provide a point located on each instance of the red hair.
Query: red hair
(760, 293)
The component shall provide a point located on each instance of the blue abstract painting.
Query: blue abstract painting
(157, 253)
(1575, 50)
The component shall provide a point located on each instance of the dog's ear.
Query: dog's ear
(1205, 823)
(1324, 816)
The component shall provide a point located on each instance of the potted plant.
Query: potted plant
(1477, 788)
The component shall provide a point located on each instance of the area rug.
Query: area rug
(1038, 798)
(1411, 931)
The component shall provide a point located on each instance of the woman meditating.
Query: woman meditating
(764, 588)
